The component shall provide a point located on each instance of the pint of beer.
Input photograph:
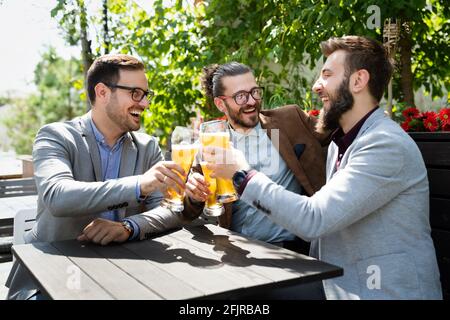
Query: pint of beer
(212, 207)
(216, 134)
(225, 189)
(183, 153)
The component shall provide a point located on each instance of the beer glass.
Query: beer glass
(216, 134)
(213, 208)
(183, 153)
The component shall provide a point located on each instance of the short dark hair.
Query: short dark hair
(363, 53)
(106, 68)
(212, 77)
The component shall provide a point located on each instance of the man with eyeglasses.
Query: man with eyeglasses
(95, 174)
(372, 216)
(281, 143)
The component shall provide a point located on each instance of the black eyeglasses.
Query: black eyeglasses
(241, 97)
(137, 94)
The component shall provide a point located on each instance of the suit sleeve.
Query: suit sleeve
(365, 184)
(155, 198)
(61, 193)
(156, 221)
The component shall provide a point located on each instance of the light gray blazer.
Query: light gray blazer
(71, 194)
(371, 217)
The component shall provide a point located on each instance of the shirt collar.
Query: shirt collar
(255, 131)
(100, 138)
(343, 141)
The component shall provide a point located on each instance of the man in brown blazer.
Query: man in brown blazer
(299, 155)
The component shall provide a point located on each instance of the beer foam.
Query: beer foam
(215, 134)
(184, 146)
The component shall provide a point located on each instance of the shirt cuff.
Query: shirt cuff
(136, 229)
(249, 175)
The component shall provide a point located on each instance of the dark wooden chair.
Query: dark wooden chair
(17, 187)
(435, 148)
(12, 188)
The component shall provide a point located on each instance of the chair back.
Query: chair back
(23, 222)
(17, 187)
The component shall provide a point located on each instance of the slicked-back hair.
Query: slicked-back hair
(212, 77)
(363, 53)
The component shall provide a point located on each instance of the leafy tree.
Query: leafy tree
(289, 33)
(4, 100)
(74, 22)
(169, 42)
(279, 39)
(60, 96)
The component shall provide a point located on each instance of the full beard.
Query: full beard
(340, 103)
(238, 119)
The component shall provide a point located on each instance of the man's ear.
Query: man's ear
(102, 92)
(359, 80)
(220, 104)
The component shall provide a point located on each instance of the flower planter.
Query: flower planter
(435, 149)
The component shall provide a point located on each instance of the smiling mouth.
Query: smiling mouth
(136, 114)
(251, 110)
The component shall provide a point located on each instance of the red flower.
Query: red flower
(405, 124)
(430, 121)
(444, 116)
(411, 113)
(446, 127)
(314, 112)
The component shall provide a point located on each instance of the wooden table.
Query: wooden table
(199, 261)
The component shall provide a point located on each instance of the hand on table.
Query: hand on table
(104, 231)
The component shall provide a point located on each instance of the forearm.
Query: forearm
(156, 221)
(65, 197)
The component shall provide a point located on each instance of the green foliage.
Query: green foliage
(4, 100)
(279, 39)
(60, 97)
(23, 124)
(172, 48)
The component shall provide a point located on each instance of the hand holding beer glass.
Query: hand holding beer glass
(216, 134)
(183, 152)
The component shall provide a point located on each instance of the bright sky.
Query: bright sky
(26, 28)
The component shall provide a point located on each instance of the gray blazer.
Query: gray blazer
(71, 194)
(371, 217)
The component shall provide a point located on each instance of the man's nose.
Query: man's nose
(317, 87)
(144, 102)
(251, 101)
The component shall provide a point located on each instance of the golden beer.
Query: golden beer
(225, 189)
(183, 155)
(212, 207)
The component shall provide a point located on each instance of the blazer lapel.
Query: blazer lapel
(88, 135)
(128, 157)
(286, 151)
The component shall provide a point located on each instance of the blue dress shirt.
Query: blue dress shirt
(110, 159)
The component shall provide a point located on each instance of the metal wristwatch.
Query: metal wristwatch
(238, 178)
(128, 226)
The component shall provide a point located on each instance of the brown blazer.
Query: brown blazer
(297, 132)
